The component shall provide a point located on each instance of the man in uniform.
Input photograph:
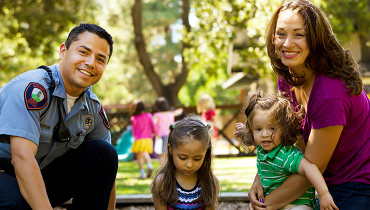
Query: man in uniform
(54, 134)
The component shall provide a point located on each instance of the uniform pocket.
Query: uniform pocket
(46, 135)
(76, 140)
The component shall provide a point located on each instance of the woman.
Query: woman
(321, 77)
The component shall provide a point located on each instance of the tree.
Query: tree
(30, 31)
(170, 90)
(219, 21)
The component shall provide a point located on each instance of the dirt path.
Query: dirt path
(220, 206)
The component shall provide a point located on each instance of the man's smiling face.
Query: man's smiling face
(83, 63)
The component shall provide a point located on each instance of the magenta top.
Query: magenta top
(329, 105)
(143, 126)
(164, 121)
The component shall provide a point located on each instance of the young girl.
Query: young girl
(206, 107)
(186, 181)
(142, 131)
(162, 117)
(274, 127)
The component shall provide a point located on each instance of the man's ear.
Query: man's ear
(62, 51)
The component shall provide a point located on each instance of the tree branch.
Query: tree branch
(181, 78)
(140, 46)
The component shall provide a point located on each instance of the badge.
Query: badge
(88, 121)
(104, 116)
(35, 96)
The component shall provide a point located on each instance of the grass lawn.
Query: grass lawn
(235, 175)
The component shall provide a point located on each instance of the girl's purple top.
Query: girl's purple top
(330, 104)
(164, 121)
(143, 126)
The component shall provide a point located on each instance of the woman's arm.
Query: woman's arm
(319, 149)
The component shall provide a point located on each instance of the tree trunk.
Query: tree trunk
(171, 90)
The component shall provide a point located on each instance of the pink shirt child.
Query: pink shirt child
(164, 121)
(329, 105)
(143, 126)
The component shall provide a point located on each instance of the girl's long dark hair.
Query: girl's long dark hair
(164, 183)
(280, 111)
(326, 55)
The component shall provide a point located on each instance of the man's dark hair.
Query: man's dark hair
(92, 28)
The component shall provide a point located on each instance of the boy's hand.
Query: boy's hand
(240, 130)
(327, 203)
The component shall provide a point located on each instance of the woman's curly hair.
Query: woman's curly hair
(280, 112)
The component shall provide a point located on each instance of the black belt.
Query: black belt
(6, 166)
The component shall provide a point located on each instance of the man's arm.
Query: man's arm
(28, 174)
(112, 198)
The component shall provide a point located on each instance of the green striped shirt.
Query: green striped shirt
(276, 166)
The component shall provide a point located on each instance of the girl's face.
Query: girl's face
(188, 157)
(291, 40)
(263, 129)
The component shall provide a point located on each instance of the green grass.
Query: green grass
(235, 175)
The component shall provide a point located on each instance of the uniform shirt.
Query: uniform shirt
(276, 166)
(143, 126)
(186, 198)
(20, 115)
(330, 104)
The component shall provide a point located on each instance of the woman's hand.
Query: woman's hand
(240, 130)
(256, 195)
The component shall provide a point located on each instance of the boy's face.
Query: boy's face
(263, 128)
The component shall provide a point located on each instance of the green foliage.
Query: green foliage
(31, 31)
(219, 21)
(124, 78)
(210, 40)
(347, 17)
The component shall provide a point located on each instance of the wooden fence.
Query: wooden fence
(119, 119)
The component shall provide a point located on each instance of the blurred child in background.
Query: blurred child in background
(162, 117)
(142, 130)
(186, 180)
(206, 107)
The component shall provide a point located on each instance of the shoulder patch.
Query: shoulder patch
(35, 96)
(104, 116)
